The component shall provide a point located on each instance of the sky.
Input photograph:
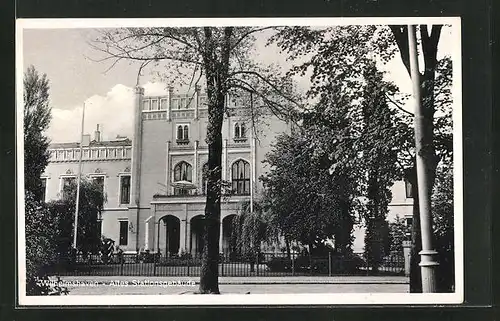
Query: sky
(76, 77)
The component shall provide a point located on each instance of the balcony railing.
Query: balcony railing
(92, 153)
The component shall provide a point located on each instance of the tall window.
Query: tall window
(409, 189)
(239, 131)
(182, 172)
(204, 179)
(154, 104)
(123, 233)
(240, 177)
(125, 189)
(182, 133)
(99, 181)
(66, 186)
(176, 104)
(44, 188)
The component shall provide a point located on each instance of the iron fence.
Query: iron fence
(230, 264)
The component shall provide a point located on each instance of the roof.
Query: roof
(121, 141)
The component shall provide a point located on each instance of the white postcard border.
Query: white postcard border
(252, 299)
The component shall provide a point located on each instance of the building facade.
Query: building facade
(145, 207)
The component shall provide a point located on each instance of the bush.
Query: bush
(177, 261)
(279, 264)
(340, 264)
(148, 257)
(41, 246)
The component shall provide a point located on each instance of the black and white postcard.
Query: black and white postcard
(264, 161)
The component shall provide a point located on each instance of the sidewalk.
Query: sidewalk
(127, 285)
(249, 279)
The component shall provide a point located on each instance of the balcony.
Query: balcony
(181, 141)
(239, 139)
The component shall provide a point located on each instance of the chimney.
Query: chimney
(97, 134)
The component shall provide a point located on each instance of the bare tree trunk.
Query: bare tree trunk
(210, 263)
(216, 74)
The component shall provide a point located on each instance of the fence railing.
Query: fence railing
(230, 264)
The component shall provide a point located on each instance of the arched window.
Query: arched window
(179, 132)
(182, 134)
(182, 172)
(240, 177)
(239, 132)
(243, 131)
(204, 179)
(236, 130)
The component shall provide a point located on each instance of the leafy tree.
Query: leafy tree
(90, 209)
(251, 229)
(302, 199)
(443, 211)
(37, 117)
(399, 231)
(39, 224)
(41, 248)
(222, 56)
(353, 125)
(379, 139)
(343, 51)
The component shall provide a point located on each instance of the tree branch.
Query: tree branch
(401, 36)
(143, 64)
(397, 105)
(429, 45)
(246, 34)
(277, 109)
(264, 79)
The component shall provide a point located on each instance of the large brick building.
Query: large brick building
(145, 209)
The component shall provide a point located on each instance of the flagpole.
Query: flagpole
(75, 232)
(251, 158)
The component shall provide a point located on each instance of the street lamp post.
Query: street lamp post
(427, 263)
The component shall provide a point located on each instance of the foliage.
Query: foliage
(340, 264)
(342, 52)
(303, 201)
(40, 243)
(399, 231)
(222, 57)
(90, 208)
(443, 213)
(376, 242)
(380, 139)
(351, 136)
(37, 117)
(180, 262)
(39, 223)
(251, 228)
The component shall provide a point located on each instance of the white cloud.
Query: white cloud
(114, 112)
